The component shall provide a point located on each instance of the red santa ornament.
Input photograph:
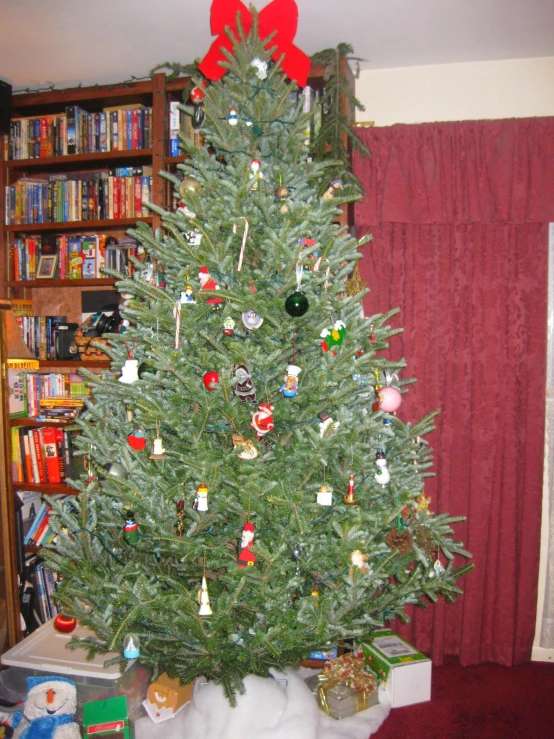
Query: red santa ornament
(206, 283)
(262, 420)
(247, 558)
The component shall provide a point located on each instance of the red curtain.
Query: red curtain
(458, 213)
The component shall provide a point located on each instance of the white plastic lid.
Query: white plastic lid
(45, 649)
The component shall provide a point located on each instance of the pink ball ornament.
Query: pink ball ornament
(390, 399)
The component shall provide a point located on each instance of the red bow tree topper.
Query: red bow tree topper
(280, 16)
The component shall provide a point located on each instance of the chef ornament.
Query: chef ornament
(262, 420)
(290, 387)
(201, 499)
(247, 558)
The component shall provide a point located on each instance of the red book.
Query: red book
(26, 454)
(37, 443)
(59, 445)
(43, 138)
(51, 454)
(116, 197)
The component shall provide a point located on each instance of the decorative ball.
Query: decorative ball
(197, 94)
(137, 440)
(64, 624)
(131, 646)
(390, 399)
(117, 470)
(296, 304)
(189, 184)
(210, 379)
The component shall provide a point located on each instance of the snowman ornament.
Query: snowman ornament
(382, 475)
(48, 710)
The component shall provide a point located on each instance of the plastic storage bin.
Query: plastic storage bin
(44, 653)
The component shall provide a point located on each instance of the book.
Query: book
(39, 453)
(18, 406)
(36, 523)
(26, 454)
(51, 454)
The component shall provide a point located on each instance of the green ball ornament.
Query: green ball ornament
(296, 304)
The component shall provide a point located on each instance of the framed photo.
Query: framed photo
(47, 267)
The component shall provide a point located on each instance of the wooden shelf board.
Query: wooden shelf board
(88, 363)
(78, 225)
(48, 488)
(97, 282)
(80, 159)
(35, 423)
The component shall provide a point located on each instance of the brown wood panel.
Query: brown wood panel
(105, 225)
(75, 161)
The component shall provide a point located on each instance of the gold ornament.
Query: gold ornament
(189, 184)
(355, 284)
(423, 537)
(422, 503)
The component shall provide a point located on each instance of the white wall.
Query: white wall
(516, 88)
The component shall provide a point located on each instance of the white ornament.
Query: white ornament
(158, 447)
(233, 120)
(201, 502)
(382, 476)
(204, 599)
(325, 495)
(261, 66)
(129, 371)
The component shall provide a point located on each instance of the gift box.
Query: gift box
(107, 718)
(344, 688)
(405, 672)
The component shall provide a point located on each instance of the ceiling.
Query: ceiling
(63, 42)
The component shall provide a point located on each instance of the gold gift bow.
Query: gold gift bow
(349, 670)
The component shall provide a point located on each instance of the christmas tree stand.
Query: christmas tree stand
(280, 708)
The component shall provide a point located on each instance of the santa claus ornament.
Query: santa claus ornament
(197, 96)
(246, 557)
(207, 283)
(244, 387)
(262, 420)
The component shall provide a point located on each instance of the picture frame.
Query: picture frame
(47, 267)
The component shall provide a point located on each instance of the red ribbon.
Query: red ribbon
(280, 16)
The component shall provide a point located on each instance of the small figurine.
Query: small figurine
(204, 599)
(201, 498)
(262, 420)
(327, 424)
(382, 475)
(255, 173)
(290, 387)
(228, 327)
(130, 530)
(282, 196)
(335, 184)
(359, 560)
(247, 558)
(333, 336)
(159, 451)
(233, 119)
(244, 388)
(129, 372)
(187, 297)
(247, 446)
(206, 283)
(180, 523)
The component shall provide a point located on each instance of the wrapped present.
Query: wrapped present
(344, 688)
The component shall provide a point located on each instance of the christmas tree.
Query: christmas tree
(250, 494)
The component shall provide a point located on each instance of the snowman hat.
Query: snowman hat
(293, 370)
(32, 682)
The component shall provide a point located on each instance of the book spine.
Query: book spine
(51, 454)
(71, 129)
(38, 446)
(36, 523)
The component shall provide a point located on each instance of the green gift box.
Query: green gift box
(107, 718)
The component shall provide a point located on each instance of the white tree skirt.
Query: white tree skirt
(268, 710)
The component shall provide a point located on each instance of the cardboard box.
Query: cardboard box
(407, 671)
(44, 653)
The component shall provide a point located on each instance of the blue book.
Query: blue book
(36, 523)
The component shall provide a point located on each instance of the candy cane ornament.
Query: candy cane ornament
(243, 245)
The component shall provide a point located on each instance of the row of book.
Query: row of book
(43, 455)
(39, 333)
(78, 197)
(78, 132)
(36, 395)
(74, 257)
(37, 594)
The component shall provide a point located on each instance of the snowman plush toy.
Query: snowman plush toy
(48, 710)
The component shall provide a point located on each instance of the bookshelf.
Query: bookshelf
(59, 295)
